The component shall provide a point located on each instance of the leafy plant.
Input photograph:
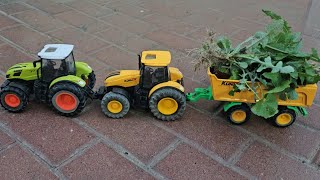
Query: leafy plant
(272, 57)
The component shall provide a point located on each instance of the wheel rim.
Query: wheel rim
(12, 100)
(284, 119)
(167, 106)
(66, 101)
(114, 106)
(238, 116)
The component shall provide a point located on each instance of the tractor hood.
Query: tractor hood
(123, 78)
(25, 71)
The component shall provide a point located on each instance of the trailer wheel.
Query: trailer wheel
(284, 118)
(239, 114)
(115, 105)
(13, 99)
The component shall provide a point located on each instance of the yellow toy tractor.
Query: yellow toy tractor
(155, 86)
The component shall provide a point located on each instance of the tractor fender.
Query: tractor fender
(229, 105)
(171, 84)
(21, 86)
(82, 68)
(69, 78)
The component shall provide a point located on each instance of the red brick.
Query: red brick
(117, 58)
(313, 118)
(129, 23)
(316, 160)
(101, 161)
(81, 40)
(10, 56)
(180, 28)
(82, 21)
(172, 40)
(139, 44)
(128, 9)
(55, 136)
(213, 133)
(186, 162)
(267, 164)
(205, 19)
(6, 22)
(90, 8)
(115, 35)
(168, 8)
(5, 140)
(136, 134)
(159, 20)
(91, 61)
(295, 139)
(39, 20)
(15, 163)
(28, 39)
(14, 8)
(48, 6)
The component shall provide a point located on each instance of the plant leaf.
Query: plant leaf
(266, 107)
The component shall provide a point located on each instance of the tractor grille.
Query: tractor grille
(114, 73)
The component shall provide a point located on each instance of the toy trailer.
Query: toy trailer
(237, 106)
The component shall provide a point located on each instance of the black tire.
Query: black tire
(23, 98)
(69, 88)
(111, 96)
(239, 114)
(92, 80)
(160, 94)
(285, 113)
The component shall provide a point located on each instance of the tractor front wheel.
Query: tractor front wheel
(13, 99)
(67, 99)
(115, 105)
(167, 104)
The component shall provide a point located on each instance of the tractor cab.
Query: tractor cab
(56, 60)
(153, 67)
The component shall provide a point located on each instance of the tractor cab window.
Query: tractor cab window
(152, 76)
(70, 64)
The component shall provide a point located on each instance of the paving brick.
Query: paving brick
(5, 140)
(6, 22)
(128, 9)
(10, 56)
(91, 61)
(179, 28)
(40, 21)
(267, 164)
(172, 40)
(90, 8)
(212, 133)
(136, 134)
(48, 6)
(316, 160)
(204, 19)
(14, 8)
(117, 58)
(116, 35)
(295, 139)
(101, 161)
(169, 8)
(313, 118)
(29, 39)
(81, 40)
(185, 162)
(15, 163)
(129, 23)
(249, 28)
(159, 20)
(55, 136)
(82, 21)
(139, 44)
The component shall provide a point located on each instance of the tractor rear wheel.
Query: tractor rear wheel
(67, 99)
(115, 105)
(13, 99)
(167, 104)
(91, 81)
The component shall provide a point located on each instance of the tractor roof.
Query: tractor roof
(156, 58)
(55, 51)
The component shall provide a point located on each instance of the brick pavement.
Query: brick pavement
(38, 144)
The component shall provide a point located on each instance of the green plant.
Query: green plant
(272, 57)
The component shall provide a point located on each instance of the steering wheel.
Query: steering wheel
(52, 63)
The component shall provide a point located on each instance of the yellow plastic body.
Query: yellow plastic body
(222, 87)
(156, 58)
(167, 84)
(175, 74)
(125, 78)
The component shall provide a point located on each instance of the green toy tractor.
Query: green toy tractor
(55, 79)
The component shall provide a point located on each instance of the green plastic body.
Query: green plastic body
(27, 72)
(200, 93)
(69, 78)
